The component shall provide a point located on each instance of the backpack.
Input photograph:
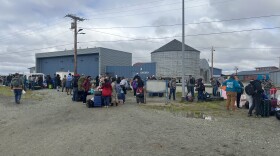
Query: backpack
(258, 87)
(16, 82)
(249, 89)
(119, 89)
(134, 84)
(192, 81)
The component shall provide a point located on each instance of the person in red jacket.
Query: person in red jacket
(106, 92)
(86, 88)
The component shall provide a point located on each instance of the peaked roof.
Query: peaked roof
(174, 45)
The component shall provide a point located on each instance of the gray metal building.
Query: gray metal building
(142, 69)
(90, 61)
(169, 60)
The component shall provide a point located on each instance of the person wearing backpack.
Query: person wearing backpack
(134, 85)
(200, 88)
(190, 85)
(240, 91)
(17, 86)
(232, 86)
(172, 85)
(257, 96)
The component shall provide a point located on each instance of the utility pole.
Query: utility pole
(183, 50)
(212, 61)
(74, 26)
(236, 69)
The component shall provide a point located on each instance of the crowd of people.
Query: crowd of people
(114, 90)
(256, 91)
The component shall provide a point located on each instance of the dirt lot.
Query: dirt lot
(53, 125)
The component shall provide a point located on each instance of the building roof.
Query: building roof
(174, 45)
(203, 63)
(95, 50)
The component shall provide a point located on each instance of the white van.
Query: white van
(36, 75)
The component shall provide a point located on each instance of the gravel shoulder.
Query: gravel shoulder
(56, 126)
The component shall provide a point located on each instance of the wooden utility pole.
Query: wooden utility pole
(74, 26)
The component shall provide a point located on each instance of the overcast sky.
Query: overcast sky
(244, 33)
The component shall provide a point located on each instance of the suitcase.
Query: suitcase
(273, 103)
(97, 101)
(265, 108)
(277, 114)
(98, 93)
(139, 99)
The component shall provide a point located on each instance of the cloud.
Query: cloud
(32, 24)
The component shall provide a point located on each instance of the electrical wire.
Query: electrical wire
(159, 38)
(179, 24)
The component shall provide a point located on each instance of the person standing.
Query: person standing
(124, 84)
(200, 88)
(58, 82)
(63, 83)
(75, 87)
(267, 85)
(17, 86)
(214, 84)
(106, 92)
(240, 91)
(68, 84)
(231, 89)
(134, 86)
(86, 86)
(114, 92)
(172, 86)
(190, 85)
(257, 96)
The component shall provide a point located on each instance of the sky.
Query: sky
(244, 33)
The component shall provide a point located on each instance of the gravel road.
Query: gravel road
(56, 126)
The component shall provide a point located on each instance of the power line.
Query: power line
(178, 9)
(195, 23)
(159, 38)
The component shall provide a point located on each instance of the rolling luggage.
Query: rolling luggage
(140, 98)
(97, 101)
(265, 108)
(98, 93)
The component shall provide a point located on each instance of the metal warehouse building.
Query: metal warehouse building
(169, 60)
(142, 69)
(90, 61)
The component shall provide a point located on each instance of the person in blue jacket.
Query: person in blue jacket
(232, 86)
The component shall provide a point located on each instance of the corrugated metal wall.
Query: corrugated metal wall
(109, 57)
(275, 77)
(87, 64)
(169, 64)
(144, 70)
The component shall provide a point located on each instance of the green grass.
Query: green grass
(197, 109)
(6, 91)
